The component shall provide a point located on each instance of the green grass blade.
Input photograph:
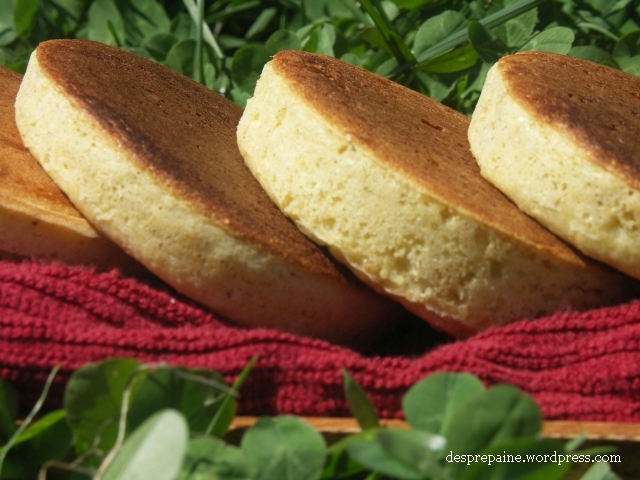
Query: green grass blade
(232, 10)
(488, 22)
(359, 403)
(261, 22)
(357, 13)
(461, 36)
(381, 13)
(198, 60)
(217, 425)
(395, 43)
(112, 30)
(207, 35)
(599, 29)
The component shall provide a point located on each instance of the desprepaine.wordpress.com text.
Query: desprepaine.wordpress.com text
(554, 457)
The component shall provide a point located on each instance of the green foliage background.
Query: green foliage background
(442, 48)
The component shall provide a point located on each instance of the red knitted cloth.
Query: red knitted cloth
(577, 366)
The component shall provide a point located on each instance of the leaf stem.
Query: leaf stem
(206, 381)
(27, 421)
(42, 474)
(122, 423)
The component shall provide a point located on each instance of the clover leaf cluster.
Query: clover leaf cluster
(125, 420)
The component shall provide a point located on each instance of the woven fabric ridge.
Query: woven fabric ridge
(577, 366)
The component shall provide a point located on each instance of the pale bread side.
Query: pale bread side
(186, 245)
(553, 176)
(36, 219)
(443, 262)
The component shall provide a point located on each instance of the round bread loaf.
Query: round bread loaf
(384, 177)
(561, 137)
(150, 157)
(36, 219)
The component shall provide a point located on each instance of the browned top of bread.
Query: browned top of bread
(412, 134)
(25, 186)
(598, 107)
(184, 134)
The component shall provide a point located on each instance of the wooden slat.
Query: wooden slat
(594, 430)
(551, 429)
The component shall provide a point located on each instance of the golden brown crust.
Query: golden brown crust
(25, 186)
(419, 137)
(182, 132)
(597, 107)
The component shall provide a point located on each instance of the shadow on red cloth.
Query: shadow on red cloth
(577, 366)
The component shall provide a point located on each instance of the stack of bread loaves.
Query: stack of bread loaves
(385, 178)
(380, 176)
(150, 158)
